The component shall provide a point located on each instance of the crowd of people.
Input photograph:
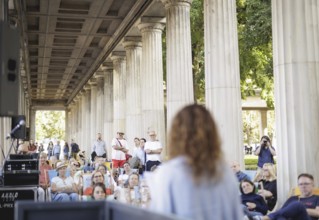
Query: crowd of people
(195, 183)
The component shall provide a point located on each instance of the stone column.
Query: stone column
(133, 48)
(83, 125)
(222, 74)
(93, 133)
(180, 91)
(296, 65)
(76, 122)
(87, 112)
(263, 123)
(119, 88)
(71, 124)
(67, 124)
(152, 88)
(108, 106)
(5, 128)
(100, 102)
(32, 123)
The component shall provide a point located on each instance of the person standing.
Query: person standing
(66, 150)
(74, 148)
(99, 148)
(50, 150)
(119, 149)
(197, 183)
(57, 150)
(153, 150)
(265, 152)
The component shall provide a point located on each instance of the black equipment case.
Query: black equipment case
(21, 172)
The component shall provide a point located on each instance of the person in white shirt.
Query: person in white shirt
(153, 150)
(139, 151)
(99, 148)
(119, 149)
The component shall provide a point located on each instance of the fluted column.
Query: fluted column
(263, 123)
(180, 91)
(67, 124)
(108, 106)
(93, 133)
(5, 128)
(87, 139)
(32, 123)
(84, 125)
(78, 123)
(119, 91)
(133, 48)
(100, 102)
(222, 75)
(152, 86)
(296, 74)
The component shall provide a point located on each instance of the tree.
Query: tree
(50, 124)
(198, 59)
(255, 48)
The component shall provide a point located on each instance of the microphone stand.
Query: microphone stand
(7, 157)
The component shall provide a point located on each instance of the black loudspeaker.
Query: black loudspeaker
(27, 134)
(20, 133)
(9, 69)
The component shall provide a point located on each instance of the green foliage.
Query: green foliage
(197, 35)
(255, 48)
(50, 124)
(251, 162)
(250, 127)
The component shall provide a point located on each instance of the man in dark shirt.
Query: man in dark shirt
(74, 148)
(303, 207)
(265, 152)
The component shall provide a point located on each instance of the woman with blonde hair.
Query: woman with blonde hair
(196, 183)
(269, 183)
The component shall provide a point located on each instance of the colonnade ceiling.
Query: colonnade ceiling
(65, 41)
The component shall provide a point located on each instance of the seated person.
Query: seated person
(53, 161)
(303, 207)
(63, 188)
(44, 180)
(98, 192)
(269, 185)
(234, 165)
(130, 194)
(22, 148)
(108, 179)
(97, 177)
(254, 204)
(124, 177)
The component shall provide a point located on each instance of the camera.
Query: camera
(265, 141)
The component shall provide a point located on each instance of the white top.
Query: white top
(117, 154)
(68, 182)
(99, 147)
(153, 145)
(138, 152)
(174, 192)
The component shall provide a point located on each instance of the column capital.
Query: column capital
(107, 66)
(118, 56)
(92, 82)
(151, 24)
(170, 3)
(132, 42)
(87, 88)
